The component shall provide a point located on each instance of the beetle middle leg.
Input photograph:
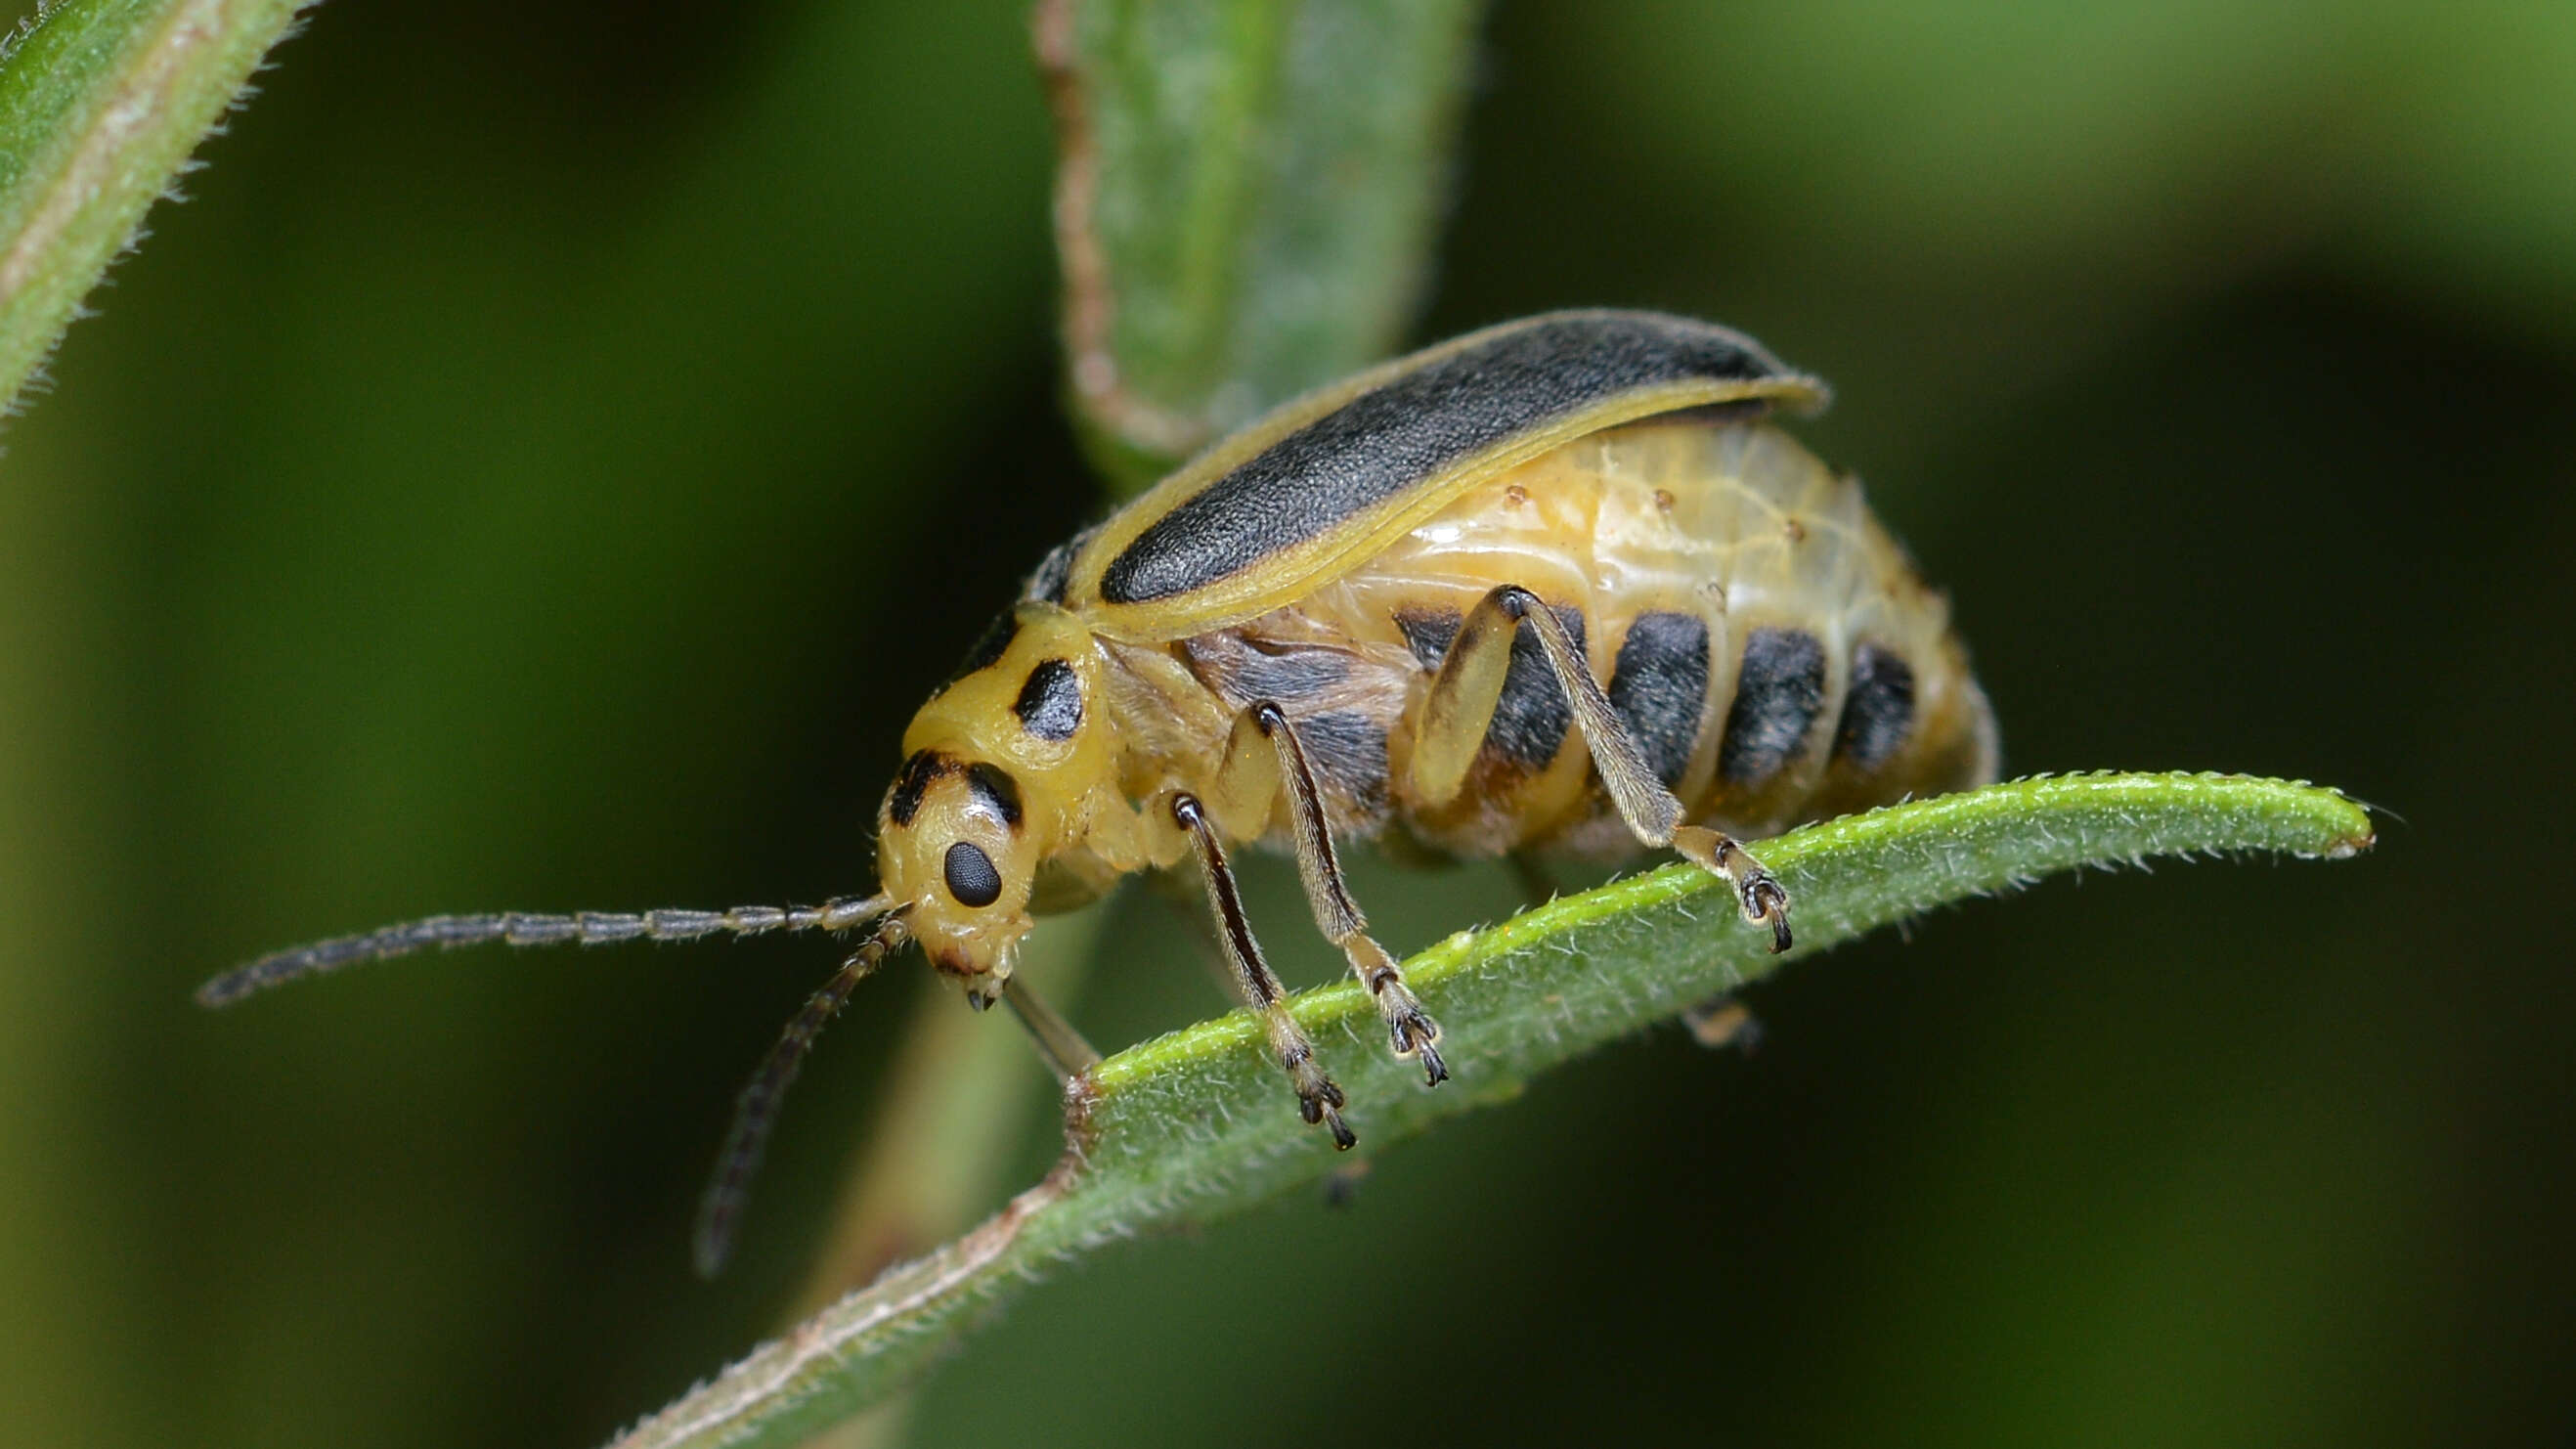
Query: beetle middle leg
(1265, 762)
(1460, 708)
(1318, 1099)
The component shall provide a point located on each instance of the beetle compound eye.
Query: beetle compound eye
(971, 876)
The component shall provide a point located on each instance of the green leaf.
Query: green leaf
(100, 103)
(1245, 201)
(1199, 1124)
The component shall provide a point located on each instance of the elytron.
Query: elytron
(1558, 585)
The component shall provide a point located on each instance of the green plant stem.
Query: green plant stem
(100, 103)
(1195, 1125)
(955, 1110)
(1246, 195)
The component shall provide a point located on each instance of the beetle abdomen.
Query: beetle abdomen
(1765, 640)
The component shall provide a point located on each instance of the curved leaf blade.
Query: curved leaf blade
(1194, 1125)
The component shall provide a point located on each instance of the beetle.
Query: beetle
(1560, 584)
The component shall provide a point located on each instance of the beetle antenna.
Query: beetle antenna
(520, 928)
(756, 1111)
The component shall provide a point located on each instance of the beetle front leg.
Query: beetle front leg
(1265, 760)
(1318, 1099)
(1460, 708)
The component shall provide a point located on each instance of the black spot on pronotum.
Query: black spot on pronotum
(1420, 424)
(1533, 714)
(1879, 711)
(1778, 692)
(904, 801)
(1659, 686)
(971, 876)
(996, 793)
(1050, 703)
(1429, 633)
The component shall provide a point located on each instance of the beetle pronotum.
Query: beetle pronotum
(1557, 584)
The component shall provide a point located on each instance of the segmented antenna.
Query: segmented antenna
(756, 1111)
(520, 928)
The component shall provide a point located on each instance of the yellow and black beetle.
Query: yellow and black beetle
(1553, 584)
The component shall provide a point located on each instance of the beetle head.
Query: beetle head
(994, 767)
(953, 841)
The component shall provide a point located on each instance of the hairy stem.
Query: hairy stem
(101, 101)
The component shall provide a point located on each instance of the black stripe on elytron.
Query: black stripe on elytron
(1050, 703)
(1879, 710)
(1659, 686)
(1778, 692)
(1412, 427)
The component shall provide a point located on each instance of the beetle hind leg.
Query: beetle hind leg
(1461, 706)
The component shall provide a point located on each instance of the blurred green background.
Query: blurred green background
(558, 444)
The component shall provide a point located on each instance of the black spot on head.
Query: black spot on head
(1429, 633)
(904, 801)
(1879, 711)
(1778, 693)
(1659, 687)
(995, 791)
(989, 647)
(971, 876)
(1050, 703)
(1533, 714)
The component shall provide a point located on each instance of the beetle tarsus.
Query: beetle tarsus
(1758, 893)
(1434, 1070)
(1344, 1139)
(1765, 903)
(1321, 1104)
(1411, 1032)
